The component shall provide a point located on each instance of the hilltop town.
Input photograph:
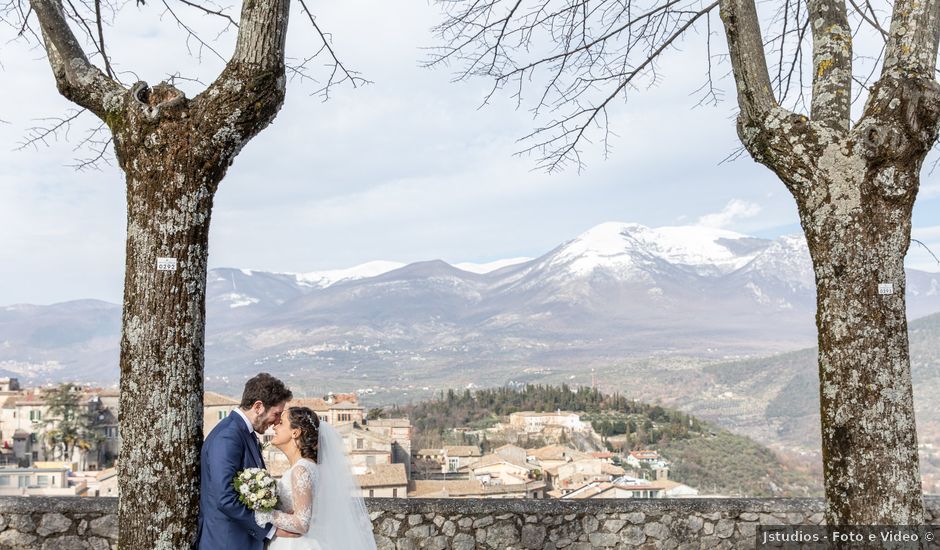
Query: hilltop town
(64, 441)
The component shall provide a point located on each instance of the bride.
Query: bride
(317, 497)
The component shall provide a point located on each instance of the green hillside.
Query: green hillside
(703, 455)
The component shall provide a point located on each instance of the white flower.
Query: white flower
(244, 490)
(253, 498)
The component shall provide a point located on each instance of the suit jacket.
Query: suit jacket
(224, 522)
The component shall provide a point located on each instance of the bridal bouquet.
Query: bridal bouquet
(256, 489)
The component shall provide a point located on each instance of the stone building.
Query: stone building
(384, 480)
(451, 458)
(399, 431)
(365, 448)
(533, 422)
(493, 469)
(215, 407)
(48, 480)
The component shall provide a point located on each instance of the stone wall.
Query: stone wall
(54, 523)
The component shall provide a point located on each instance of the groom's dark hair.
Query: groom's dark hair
(265, 388)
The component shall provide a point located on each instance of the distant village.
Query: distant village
(36, 458)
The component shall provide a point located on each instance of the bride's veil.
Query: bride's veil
(340, 519)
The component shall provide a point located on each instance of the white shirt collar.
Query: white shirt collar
(251, 429)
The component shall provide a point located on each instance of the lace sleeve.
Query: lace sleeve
(302, 493)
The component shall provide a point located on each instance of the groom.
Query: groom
(233, 445)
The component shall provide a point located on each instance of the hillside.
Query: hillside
(703, 455)
(776, 399)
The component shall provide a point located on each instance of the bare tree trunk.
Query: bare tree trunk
(162, 361)
(174, 152)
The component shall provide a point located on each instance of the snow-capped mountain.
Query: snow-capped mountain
(323, 279)
(628, 248)
(616, 291)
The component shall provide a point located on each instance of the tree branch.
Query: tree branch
(832, 64)
(262, 32)
(746, 48)
(77, 79)
(913, 38)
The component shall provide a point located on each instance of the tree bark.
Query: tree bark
(174, 152)
(855, 190)
(169, 202)
(858, 238)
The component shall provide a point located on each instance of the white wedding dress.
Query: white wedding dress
(322, 502)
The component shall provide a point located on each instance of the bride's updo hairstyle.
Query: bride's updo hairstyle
(307, 421)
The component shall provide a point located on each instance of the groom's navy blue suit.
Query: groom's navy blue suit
(224, 522)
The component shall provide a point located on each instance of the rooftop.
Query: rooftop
(212, 399)
(557, 452)
(384, 475)
(462, 450)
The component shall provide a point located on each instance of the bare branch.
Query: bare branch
(590, 53)
(53, 127)
(928, 250)
(869, 17)
(339, 73)
(98, 142)
(218, 13)
(101, 49)
(191, 34)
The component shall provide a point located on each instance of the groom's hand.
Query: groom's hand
(286, 534)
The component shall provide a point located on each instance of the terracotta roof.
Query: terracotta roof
(450, 488)
(10, 402)
(463, 488)
(351, 430)
(212, 399)
(383, 475)
(314, 403)
(30, 399)
(491, 459)
(557, 452)
(645, 455)
(462, 450)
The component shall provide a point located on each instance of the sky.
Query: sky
(408, 168)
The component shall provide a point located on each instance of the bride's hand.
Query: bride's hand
(286, 534)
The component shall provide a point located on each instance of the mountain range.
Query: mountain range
(615, 292)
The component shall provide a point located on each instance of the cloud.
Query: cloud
(735, 210)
